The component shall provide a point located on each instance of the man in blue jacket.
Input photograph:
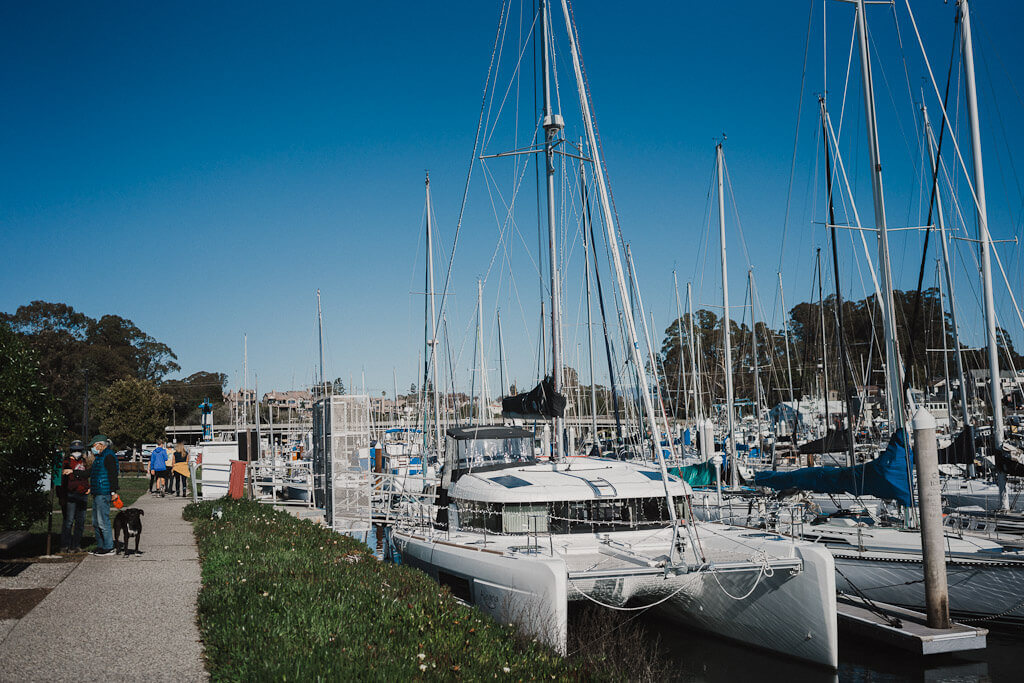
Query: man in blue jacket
(103, 485)
(158, 467)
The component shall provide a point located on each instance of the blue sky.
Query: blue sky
(225, 162)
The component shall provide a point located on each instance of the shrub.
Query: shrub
(29, 433)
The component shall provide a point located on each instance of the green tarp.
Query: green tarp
(696, 475)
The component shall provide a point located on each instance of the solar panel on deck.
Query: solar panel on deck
(510, 482)
(653, 476)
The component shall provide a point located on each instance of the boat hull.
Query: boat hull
(978, 589)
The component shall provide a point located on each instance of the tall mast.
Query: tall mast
(789, 365)
(320, 334)
(824, 358)
(553, 124)
(945, 349)
(984, 239)
(844, 353)
(502, 370)
(694, 366)
(757, 381)
(432, 341)
(481, 367)
(613, 246)
(590, 328)
(681, 374)
(245, 385)
(726, 340)
(957, 353)
(894, 374)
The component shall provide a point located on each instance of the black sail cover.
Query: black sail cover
(538, 403)
(833, 442)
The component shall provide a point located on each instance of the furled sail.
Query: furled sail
(884, 477)
(833, 442)
(539, 403)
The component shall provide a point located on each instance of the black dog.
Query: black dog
(128, 522)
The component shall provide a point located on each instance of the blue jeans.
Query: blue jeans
(74, 516)
(101, 522)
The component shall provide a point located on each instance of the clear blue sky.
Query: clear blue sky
(224, 161)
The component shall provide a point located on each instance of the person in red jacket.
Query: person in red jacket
(76, 482)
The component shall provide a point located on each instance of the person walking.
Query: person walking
(76, 493)
(180, 471)
(103, 486)
(158, 467)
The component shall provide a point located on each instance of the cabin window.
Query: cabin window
(524, 518)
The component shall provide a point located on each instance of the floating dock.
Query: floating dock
(904, 628)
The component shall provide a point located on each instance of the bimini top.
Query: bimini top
(488, 432)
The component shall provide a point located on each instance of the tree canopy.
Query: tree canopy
(133, 411)
(29, 432)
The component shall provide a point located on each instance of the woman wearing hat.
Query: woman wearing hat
(76, 482)
(103, 485)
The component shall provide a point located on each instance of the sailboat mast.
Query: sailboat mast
(948, 276)
(553, 124)
(613, 246)
(480, 348)
(894, 375)
(726, 337)
(789, 364)
(984, 239)
(757, 381)
(824, 358)
(432, 342)
(681, 374)
(590, 329)
(694, 366)
(844, 354)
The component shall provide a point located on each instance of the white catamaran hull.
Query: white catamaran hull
(755, 587)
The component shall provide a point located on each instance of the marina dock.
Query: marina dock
(904, 629)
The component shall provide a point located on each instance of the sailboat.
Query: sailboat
(522, 538)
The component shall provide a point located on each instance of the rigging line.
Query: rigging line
(846, 80)
(956, 146)
(503, 28)
(510, 206)
(472, 162)
(514, 79)
(892, 99)
(906, 72)
(796, 136)
(736, 213)
(911, 354)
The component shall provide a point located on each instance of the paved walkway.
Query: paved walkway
(118, 618)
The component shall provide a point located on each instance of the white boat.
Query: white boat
(522, 539)
(964, 492)
(885, 564)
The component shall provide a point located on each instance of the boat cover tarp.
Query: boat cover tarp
(696, 475)
(538, 403)
(961, 451)
(833, 442)
(884, 477)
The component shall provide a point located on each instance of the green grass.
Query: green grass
(284, 599)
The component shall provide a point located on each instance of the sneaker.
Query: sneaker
(102, 553)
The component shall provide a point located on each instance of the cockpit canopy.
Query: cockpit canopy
(486, 447)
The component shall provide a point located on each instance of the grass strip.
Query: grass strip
(286, 599)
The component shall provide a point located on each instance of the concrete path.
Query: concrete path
(118, 618)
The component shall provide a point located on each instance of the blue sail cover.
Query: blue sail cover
(884, 477)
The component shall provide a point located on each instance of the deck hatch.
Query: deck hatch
(510, 482)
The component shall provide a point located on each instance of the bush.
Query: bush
(288, 599)
(29, 433)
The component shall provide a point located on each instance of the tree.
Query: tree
(81, 356)
(190, 392)
(29, 432)
(133, 411)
